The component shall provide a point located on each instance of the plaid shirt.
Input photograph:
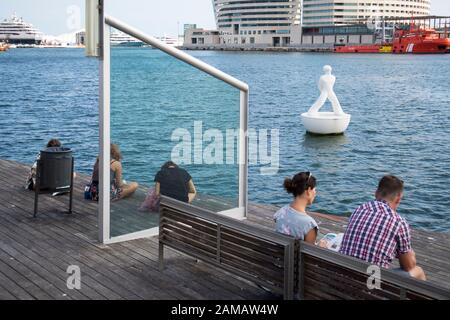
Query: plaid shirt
(376, 234)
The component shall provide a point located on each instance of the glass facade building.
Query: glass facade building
(254, 22)
(339, 12)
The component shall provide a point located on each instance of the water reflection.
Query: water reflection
(329, 142)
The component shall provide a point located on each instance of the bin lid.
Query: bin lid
(56, 150)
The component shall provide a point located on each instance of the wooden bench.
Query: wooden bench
(325, 274)
(262, 256)
(278, 262)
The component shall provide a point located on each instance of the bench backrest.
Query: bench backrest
(254, 253)
(325, 274)
(279, 262)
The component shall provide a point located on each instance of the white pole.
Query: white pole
(104, 121)
(243, 152)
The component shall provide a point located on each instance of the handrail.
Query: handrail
(119, 25)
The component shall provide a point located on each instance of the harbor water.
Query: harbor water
(400, 107)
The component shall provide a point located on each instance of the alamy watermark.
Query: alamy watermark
(73, 21)
(74, 280)
(216, 147)
(374, 279)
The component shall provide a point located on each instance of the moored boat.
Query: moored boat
(418, 39)
(412, 39)
(17, 31)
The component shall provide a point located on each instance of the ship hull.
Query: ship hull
(364, 49)
(20, 40)
(435, 47)
(128, 44)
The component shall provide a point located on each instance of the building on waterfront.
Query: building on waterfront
(329, 22)
(258, 23)
(188, 26)
(80, 38)
(342, 12)
(201, 38)
(283, 23)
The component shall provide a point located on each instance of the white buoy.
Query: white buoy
(335, 122)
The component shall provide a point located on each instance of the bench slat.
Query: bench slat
(186, 248)
(251, 254)
(257, 244)
(189, 232)
(354, 278)
(200, 224)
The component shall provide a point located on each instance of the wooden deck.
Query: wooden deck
(35, 253)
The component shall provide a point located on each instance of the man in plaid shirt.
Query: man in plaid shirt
(376, 233)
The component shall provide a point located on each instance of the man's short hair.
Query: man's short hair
(389, 187)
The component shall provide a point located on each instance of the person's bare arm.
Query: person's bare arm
(192, 191)
(117, 168)
(408, 261)
(157, 188)
(311, 236)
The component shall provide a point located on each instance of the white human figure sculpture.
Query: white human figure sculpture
(326, 84)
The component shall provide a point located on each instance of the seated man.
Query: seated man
(376, 233)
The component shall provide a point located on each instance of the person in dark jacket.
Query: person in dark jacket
(175, 182)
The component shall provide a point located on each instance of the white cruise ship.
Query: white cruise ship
(16, 31)
(120, 39)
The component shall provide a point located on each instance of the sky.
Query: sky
(156, 17)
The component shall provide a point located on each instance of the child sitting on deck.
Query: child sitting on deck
(292, 219)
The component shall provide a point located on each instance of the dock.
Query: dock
(35, 253)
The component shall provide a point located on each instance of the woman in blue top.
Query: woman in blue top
(292, 219)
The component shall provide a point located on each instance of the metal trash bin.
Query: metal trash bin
(54, 173)
(56, 168)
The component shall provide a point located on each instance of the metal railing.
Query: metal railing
(105, 135)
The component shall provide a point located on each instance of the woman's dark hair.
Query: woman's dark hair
(52, 143)
(169, 164)
(300, 183)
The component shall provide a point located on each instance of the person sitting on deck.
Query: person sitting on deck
(31, 180)
(292, 219)
(119, 189)
(376, 233)
(175, 182)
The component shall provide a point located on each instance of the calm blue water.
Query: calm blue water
(399, 106)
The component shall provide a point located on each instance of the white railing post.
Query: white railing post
(243, 151)
(104, 122)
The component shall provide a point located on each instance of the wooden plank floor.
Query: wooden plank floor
(35, 253)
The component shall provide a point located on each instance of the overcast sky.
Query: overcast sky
(157, 17)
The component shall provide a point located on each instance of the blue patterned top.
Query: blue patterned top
(293, 223)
